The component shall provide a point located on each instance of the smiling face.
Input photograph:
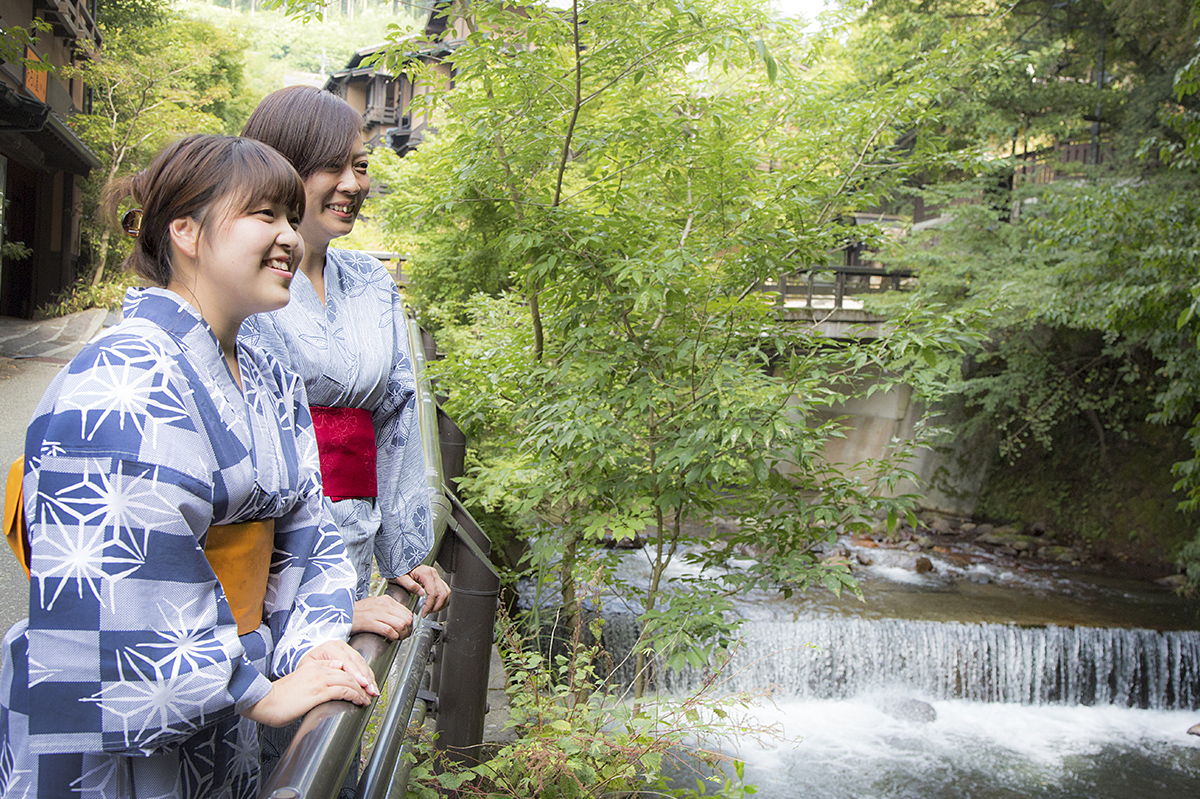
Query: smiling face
(334, 194)
(238, 263)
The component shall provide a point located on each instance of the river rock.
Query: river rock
(1175, 581)
(923, 541)
(982, 529)
(1194, 729)
(835, 554)
(923, 565)
(1060, 554)
(914, 710)
(724, 527)
(942, 526)
(967, 527)
(1005, 537)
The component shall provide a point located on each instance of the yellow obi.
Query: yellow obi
(240, 554)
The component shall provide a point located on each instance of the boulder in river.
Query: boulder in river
(1007, 539)
(913, 710)
(923, 565)
(1060, 554)
(942, 526)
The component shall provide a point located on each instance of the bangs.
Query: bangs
(260, 175)
(329, 144)
(311, 127)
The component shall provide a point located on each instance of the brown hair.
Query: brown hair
(313, 128)
(187, 179)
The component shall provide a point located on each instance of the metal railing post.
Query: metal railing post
(467, 644)
(454, 449)
(428, 345)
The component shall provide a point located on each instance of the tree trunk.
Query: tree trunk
(1094, 148)
(101, 257)
(569, 592)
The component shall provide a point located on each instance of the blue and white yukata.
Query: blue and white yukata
(353, 353)
(127, 678)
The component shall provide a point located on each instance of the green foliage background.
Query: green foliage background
(1090, 280)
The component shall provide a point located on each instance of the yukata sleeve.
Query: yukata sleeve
(310, 591)
(131, 646)
(407, 533)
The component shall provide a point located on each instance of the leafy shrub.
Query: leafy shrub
(83, 295)
(580, 737)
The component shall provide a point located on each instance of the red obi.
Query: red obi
(346, 443)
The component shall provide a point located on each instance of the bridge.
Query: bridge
(830, 298)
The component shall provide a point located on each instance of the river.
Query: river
(984, 677)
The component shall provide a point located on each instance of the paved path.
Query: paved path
(31, 353)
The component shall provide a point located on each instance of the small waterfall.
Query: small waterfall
(838, 658)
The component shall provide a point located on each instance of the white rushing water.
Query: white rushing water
(844, 657)
(997, 680)
(852, 749)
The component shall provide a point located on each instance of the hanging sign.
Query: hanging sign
(35, 79)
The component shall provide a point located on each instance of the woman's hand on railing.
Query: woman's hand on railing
(425, 581)
(330, 671)
(381, 615)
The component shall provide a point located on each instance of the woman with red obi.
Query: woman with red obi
(345, 333)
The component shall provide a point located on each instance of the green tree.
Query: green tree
(152, 83)
(1092, 71)
(643, 167)
(1089, 281)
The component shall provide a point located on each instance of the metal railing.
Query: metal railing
(458, 647)
(828, 286)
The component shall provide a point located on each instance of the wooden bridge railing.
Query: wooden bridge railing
(820, 283)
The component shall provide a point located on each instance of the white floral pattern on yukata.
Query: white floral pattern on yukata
(353, 353)
(127, 676)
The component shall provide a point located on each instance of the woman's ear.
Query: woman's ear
(185, 235)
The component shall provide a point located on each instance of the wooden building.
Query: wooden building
(385, 100)
(41, 160)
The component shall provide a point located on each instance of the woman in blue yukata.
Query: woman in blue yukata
(186, 579)
(345, 333)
